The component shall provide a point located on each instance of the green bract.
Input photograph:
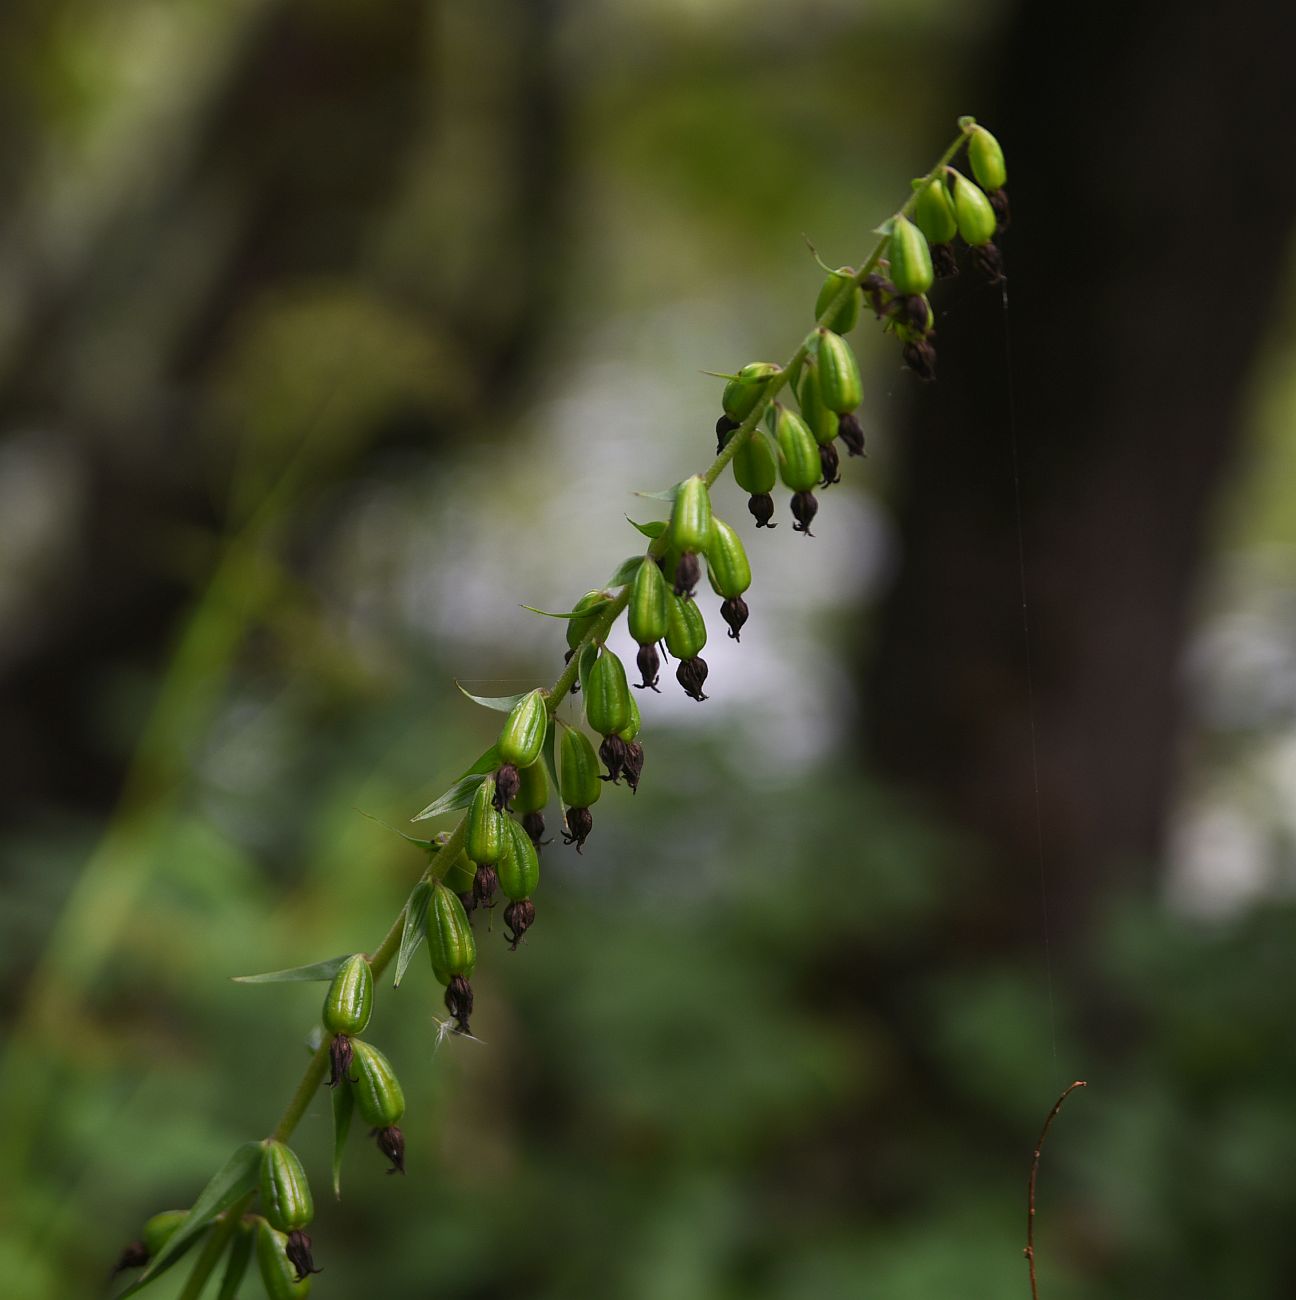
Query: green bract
(976, 218)
(588, 607)
(378, 1094)
(519, 868)
(934, 212)
(690, 521)
(838, 374)
(484, 828)
(987, 159)
(846, 314)
(686, 632)
(754, 467)
(646, 612)
(278, 1274)
(607, 693)
(450, 941)
(285, 1193)
(523, 733)
(910, 258)
(727, 561)
(349, 1000)
(533, 792)
(741, 394)
(798, 453)
(578, 767)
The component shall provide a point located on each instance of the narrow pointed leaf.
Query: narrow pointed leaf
(654, 528)
(500, 703)
(431, 845)
(488, 762)
(549, 613)
(343, 1108)
(236, 1267)
(320, 970)
(626, 571)
(667, 494)
(414, 931)
(232, 1181)
(460, 794)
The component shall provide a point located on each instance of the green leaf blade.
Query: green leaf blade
(415, 929)
(343, 1108)
(320, 970)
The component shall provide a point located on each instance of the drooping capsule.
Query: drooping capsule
(519, 876)
(821, 421)
(607, 709)
(730, 574)
(520, 741)
(646, 615)
(578, 783)
(532, 796)
(279, 1275)
(756, 471)
(846, 313)
(349, 1000)
(484, 828)
(986, 157)
(160, 1228)
(380, 1101)
(453, 949)
(685, 637)
(838, 374)
(587, 609)
(909, 258)
(741, 395)
(977, 222)
(799, 465)
(690, 525)
(286, 1203)
(934, 216)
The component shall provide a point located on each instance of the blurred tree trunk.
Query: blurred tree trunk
(1153, 204)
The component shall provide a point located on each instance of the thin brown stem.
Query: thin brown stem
(1029, 1252)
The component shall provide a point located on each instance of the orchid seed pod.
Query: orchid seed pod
(976, 215)
(451, 946)
(646, 615)
(934, 213)
(532, 798)
(986, 157)
(690, 524)
(459, 874)
(607, 695)
(685, 638)
(578, 784)
(519, 877)
(909, 257)
(838, 375)
(285, 1193)
(279, 1275)
(484, 828)
(756, 471)
(741, 395)
(523, 733)
(846, 313)
(349, 1000)
(160, 1228)
(821, 422)
(800, 467)
(587, 609)
(727, 561)
(378, 1094)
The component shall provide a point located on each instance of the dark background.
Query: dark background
(329, 334)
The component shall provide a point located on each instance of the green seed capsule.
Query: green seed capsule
(378, 1094)
(578, 767)
(533, 793)
(799, 462)
(519, 868)
(976, 218)
(285, 1193)
(838, 372)
(459, 874)
(349, 1000)
(690, 521)
(451, 945)
(727, 561)
(742, 394)
(754, 467)
(846, 314)
(484, 831)
(160, 1228)
(910, 258)
(523, 735)
(631, 728)
(647, 609)
(987, 160)
(607, 693)
(587, 609)
(934, 213)
(687, 634)
(821, 422)
(278, 1273)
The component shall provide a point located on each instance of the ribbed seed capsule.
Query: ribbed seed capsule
(756, 471)
(821, 422)
(160, 1228)
(986, 157)
(285, 1193)
(607, 695)
(523, 733)
(578, 774)
(798, 454)
(533, 791)
(909, 258)
(646, 612)
(378, 1094)
(459, 874)
(278, 1273)
(690, 525)
(727, 560)
(976, 216)
(846, 313)
(587, 610)
(519, 870)
(741, 394)
(838, 374)
(484, 830)
(349, 1000)
(686, 633)
(934, 213)
(451, 945)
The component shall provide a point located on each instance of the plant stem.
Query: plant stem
(1029, 1252)
(441, 861)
